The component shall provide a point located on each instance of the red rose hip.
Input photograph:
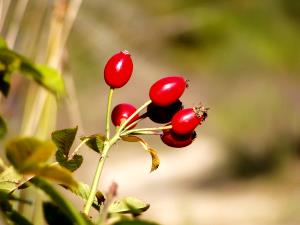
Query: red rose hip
(167, 90)
(177, 141)
(186, 120)
(118, 69)
(122, 112)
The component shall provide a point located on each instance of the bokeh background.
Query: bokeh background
(243, 61)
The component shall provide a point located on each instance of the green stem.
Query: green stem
(107, 145)
(123, 125)
(107, 130)
(144, 133)
(146, 129)
(132, 124)
(98, 172)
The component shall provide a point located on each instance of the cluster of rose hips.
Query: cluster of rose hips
(164, 107)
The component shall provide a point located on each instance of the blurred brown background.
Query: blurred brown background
(243, 61)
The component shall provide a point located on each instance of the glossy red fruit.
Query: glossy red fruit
(118, 69)
(122, 112)
(177, 141)
(167, 90)
(186, 120)
(159, 114)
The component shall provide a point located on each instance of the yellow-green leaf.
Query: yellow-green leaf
(83, 191)
(26, 153)
(128, 205)
(56, 173)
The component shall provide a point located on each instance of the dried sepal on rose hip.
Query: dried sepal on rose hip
(186, 120)
(118, 69)
(163, 114)
(177, 141)
(167, 90)
(121, 112)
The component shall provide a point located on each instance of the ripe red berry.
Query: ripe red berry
(167, 90)
(186, 120)
(122, 112)
(159, 114)
(118, 69)
(177, 141)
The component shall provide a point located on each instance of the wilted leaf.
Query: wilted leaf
(3, 128)
(134, 222)
(54, 215)
(64, 139)
(154, 156)
(27, 153)
(95, 142)
(131, 138)
(128, 205)
(155, 159)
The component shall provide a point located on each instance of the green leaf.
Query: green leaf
(128, 205)
(43, 75)
(3, 128)
(64, 139)
(153, 153)
(65, 206)
(14, 217)
(95, 142)
(83, 191)
(54, 215)
(5, 196)
(7, 210)
(51, 79)
(28, 153)
(71, 164)
(47, 77)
